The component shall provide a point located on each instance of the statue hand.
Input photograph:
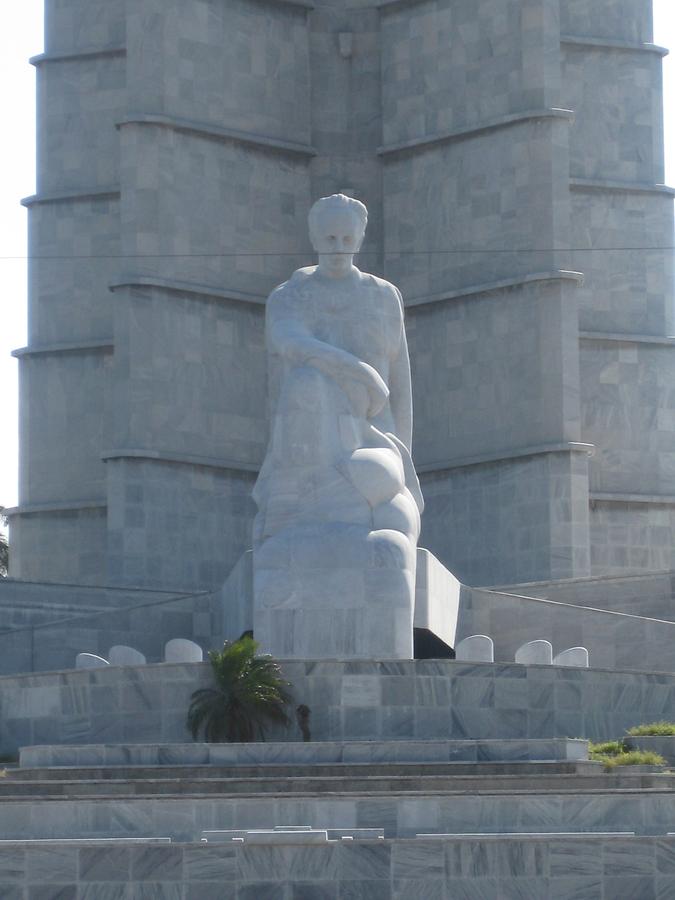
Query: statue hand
(378, 392)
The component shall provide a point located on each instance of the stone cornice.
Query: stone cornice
(217, 133)
(300, 4)
(470, 131)
(648, 499)
(185, 459)
(28, 509)
(74, 195)
(629, 187)
(506, 455)
(595, 43)
(601, 337)
(77, 55)
(102, 346)
(386, 5)
(186, 287)
(491, 286)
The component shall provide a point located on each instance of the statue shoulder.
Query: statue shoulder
(289, 289)
(388, 290)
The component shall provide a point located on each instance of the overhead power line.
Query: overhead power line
(283, 253)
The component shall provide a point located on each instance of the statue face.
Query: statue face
(336, 236)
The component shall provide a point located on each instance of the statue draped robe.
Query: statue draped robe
(338, 498)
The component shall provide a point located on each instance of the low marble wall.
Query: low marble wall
(614, 640)
(184, 818)
(359, 870)
(292, 753)
(419, 699)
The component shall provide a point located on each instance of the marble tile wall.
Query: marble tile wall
(70, 545)
(79, 102)
(390, 870)
(243, 66)
(83, 24)
(630, 536)
(473, 58)
(348, 701)
(623, 291)
(618, 124)
(70, 300)
(525, 516)
(634, 453)
(500, 199)
(628, 20)
(180, 526)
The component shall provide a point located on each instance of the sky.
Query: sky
(20, 38)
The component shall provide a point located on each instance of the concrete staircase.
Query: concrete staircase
(452, 826)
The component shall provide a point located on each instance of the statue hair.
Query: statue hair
(339, 201)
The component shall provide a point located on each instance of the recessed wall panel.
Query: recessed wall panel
(76, 248)
(79, 103)
(240, 64)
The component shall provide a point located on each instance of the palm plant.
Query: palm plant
(249, 694)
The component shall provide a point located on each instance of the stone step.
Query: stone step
(318, 770)
(425, 785)
(276, 752)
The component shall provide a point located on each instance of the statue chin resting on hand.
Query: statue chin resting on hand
(338, 499)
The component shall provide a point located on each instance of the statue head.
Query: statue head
(337, 226)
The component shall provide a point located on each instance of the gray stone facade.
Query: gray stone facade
(498, 145)
(449, 869)
(419, 700)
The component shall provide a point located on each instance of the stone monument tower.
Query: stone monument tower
(508, 152)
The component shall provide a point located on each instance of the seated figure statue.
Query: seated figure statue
(338, 498)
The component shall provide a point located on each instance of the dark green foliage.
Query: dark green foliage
(615, 753)
(658, 728)
(249, 694)
(606, 748)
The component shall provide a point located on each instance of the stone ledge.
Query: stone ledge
(594, 43)
(301, 4)
(186, 459)
(102, 346)
(615, 337)
(298, 753)
(110, 193)
(387, 5)
(504, 455)
(491, 286)
(186, 287)
(649, 499)
(594, 184)
(215, 132)
(77, 55)
(27, 509)
(470, 131)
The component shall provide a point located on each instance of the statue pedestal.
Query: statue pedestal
(348, 630)
(335, 592)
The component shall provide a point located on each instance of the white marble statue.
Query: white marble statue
(338, 499)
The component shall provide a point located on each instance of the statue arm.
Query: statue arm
(400, 398)
(291, 338)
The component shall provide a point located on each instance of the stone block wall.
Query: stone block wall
(423, 699)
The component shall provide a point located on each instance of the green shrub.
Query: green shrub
(633, 758)
(249, 694)
(653, 728)
(607, 748)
